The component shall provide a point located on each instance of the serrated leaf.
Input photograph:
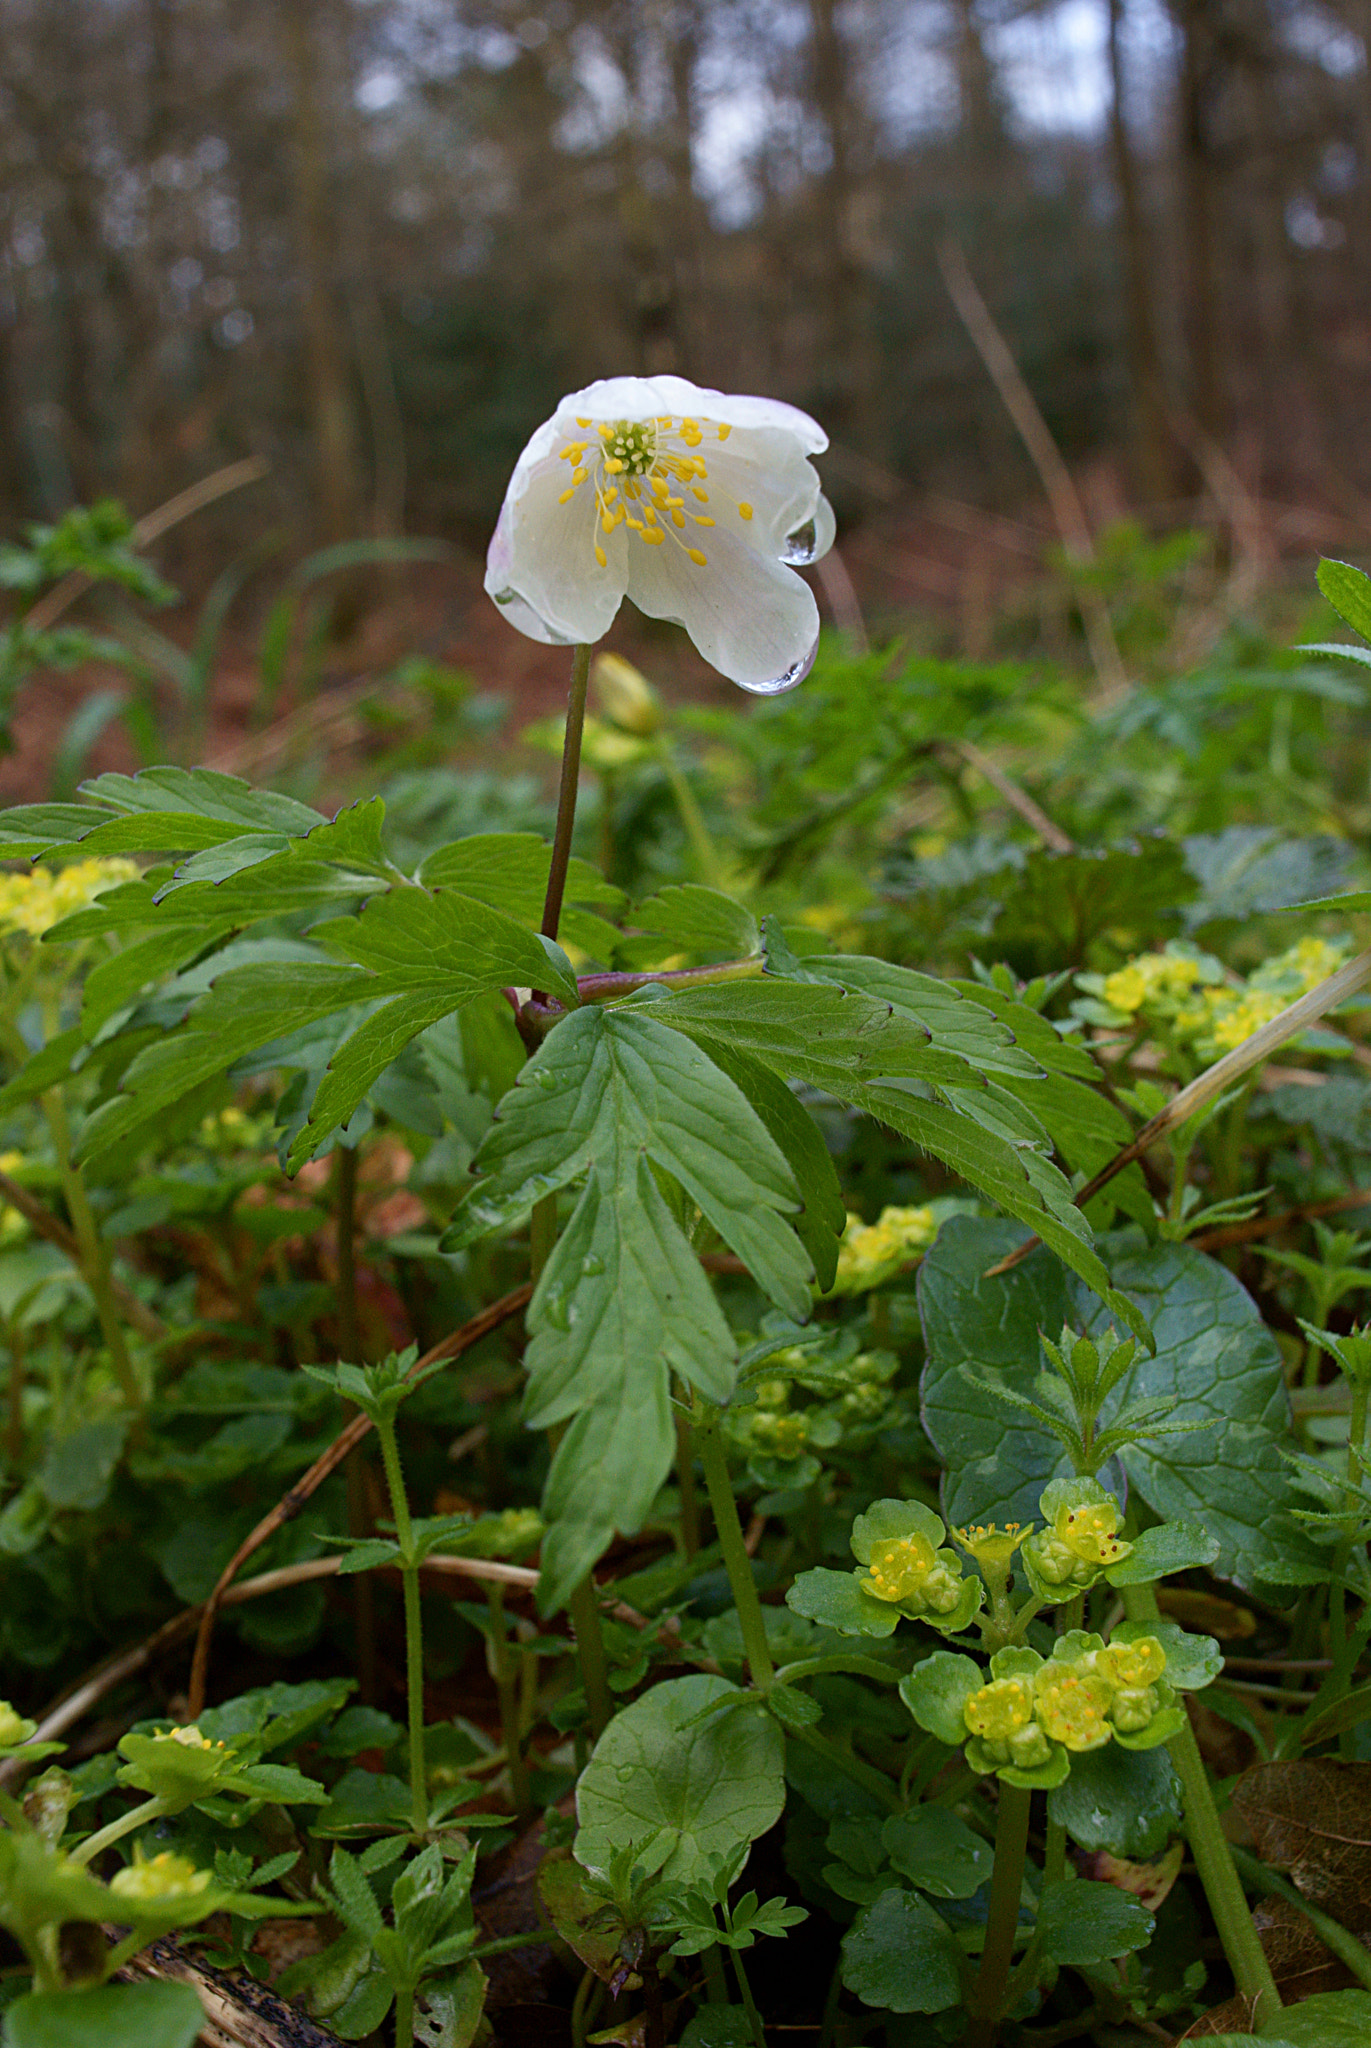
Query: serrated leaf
(698, 920)
(359, 1062)
(859, 1050)
(115, 983)
(416, 941)
(509, 870)
(622, 1302)
(203, 793)
(1127, 1801)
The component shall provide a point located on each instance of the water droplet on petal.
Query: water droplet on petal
(802, 546)
(796, 673)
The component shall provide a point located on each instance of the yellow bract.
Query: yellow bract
(161, 1877)
(999, 1709)
(1071, 1706)
(900, 1566)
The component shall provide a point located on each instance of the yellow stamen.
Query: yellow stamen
(578, 476)
(613, 464)
(678, 518)
(600, 556)
(701, 519)
(606, 431)
(724, 431)
(654, 535)
(745, 511)
(565, 497)
(696, 492)
(696, 556)
(583, 423)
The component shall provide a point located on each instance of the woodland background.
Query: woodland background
(372, 241)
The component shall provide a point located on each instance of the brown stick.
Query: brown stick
(290, 1505)
(1267, 1226)
(1046, 457)
(63, 595)
(1018, 799)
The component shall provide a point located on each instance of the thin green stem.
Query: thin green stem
(1002, 1924)
(1213, 1856)
(414, 1623)
(754, 2018)
(94, 1252)
(504, 1669)
(697, 832)
(566, 794)
(14, 1425)
(737, 1563)
(115, 1830)
(345, 1200)
(404, 2016)
(584, 1610)
(685, 1480)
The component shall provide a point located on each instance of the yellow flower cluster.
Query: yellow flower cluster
(166, 1876)
(909, 1568)
(1190, 995)
(1079, 1544)
(34, 902)
(874, 1252)
(189, 1738)
(1079, 1698)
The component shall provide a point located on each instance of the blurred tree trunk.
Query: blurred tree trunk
(1199, 78)
(1153, 463)
(329, 394)
(845, 368)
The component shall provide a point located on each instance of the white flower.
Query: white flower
(692, 503)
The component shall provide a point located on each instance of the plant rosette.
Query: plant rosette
(1078, 1543)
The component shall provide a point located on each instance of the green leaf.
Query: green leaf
(693, 919)
(417, 942)
(622, 1302)
(823, 1219)
(937, 1852)
(1127, 1801)
(1191, 1661)
(711, 1782)
(112, 2016)
(1348, 590)
(900, 1956)
(115, 983)
(837, 1600)
(1082, 1922)
(358, 1064)
(936, 1692)
(78, 1469)
(1168, 1547)
(1330, 2019)
(1215, 1364)
(864, 1053)
(509, 870)
(719, 2026)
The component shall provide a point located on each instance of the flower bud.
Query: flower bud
(1072, 1706)
(14, 1729)
(626, 696)
(167, 1876)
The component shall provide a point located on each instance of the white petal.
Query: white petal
(825, 528)
(751, 618)
(544, 552)
(767, 471)
(641, 398)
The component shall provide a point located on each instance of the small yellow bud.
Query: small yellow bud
(626, 696)
(162, 1877)
(1000, 1710)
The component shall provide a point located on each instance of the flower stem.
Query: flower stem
(737, 1563)
(505, 1673)
(584, 1610)
(685, 1479)
(115, 1830)
(566, 794)
(754, 2018)
(1213, 1857)
(1006, 1889)
(414, 1625)
(404, 2016)
(93, 1251)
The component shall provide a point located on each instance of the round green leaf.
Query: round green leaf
(937, 1852)
(711, 1780)
(838, 1601)
(1170, 1547)
(1191, 1661)
(895, 1518)
(1082, 1922)
(1125, 1801)
(113, 2016)
(899, 1956)
(936, 1692)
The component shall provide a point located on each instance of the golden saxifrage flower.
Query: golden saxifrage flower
(697, 505)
